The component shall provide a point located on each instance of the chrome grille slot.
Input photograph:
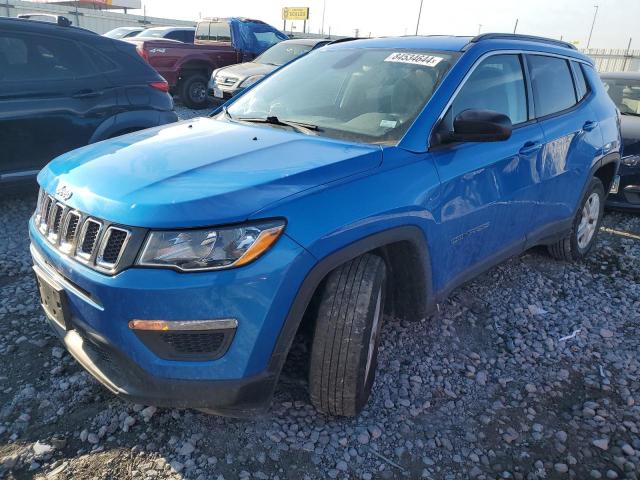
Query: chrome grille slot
(112, 246)
(89, 238)
(69, 231)
(46, 209)
(55, 220)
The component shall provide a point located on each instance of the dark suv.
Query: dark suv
(64, 87)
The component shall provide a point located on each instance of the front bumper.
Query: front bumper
(239, 383)
(627, 196)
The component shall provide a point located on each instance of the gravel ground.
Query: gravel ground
(531, 371)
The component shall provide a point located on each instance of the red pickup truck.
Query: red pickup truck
(219, 42)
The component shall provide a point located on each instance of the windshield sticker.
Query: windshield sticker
(414, 58)
(388, 123)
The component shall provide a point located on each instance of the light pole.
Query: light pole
(595, 14)
(324, 7)
(479, 28)
(419, 14)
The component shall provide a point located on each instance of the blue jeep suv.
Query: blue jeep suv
(369, 176)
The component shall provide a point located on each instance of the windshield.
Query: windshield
(362, 95)
(625, 93)
(282, 53)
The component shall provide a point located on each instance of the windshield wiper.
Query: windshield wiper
(306, 128)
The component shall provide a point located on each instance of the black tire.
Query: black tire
(346, 336)
(193, 91)
(570, 248)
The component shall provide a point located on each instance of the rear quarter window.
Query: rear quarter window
(582, 86)
(552, 83)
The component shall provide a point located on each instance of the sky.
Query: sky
(616, 21)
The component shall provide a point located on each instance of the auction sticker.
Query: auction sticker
(414, 58)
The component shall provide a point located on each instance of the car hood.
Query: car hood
(630, 127)
(246, 70)
(199, 173)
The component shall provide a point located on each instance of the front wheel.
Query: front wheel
(579, 242)
(193, 91)
(346, 337)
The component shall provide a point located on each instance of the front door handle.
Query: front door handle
(530, 147)
(590, 125)
(86, 94)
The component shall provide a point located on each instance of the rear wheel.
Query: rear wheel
(579, 242)
(346, 337)
(193, 91)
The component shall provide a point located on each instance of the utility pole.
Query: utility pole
(515, 27)
(595, 14)
(324, 7)
(7, 7)
(479, 28)
(419, 14)
(77, 16)
(356, 31)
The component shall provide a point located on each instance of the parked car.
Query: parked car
(228, 81)
(624, 90)
(64, 87)
(219, 42)
(178, 263)
(180, 34)
(124, 32)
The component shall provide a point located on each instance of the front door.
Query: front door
(488, 190)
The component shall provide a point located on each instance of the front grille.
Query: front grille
(90, 240)
(194, 343)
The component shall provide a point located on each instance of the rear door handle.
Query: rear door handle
(590, 125)
(86, 94)
(530, 147)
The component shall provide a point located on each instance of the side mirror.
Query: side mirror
(479, 126)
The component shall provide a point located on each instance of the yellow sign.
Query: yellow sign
(295, 13)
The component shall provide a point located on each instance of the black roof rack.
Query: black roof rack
(517, 36)
(57, 19)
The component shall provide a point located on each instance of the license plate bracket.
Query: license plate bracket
(217, 93)
(53, 300)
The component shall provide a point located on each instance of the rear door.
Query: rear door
(572, 138)
(49, 95)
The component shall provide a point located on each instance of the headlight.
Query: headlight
(247, 82)
(210, 248)
(631, 161)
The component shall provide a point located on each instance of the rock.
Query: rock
(363, 438)
(628, 450)
(176, 466)
(606, 333)
(186, 449)
(561, 436)
(481, 377)
(41, 449)
(601, 443)
(148, 412)
(561, 467)
(93, 439)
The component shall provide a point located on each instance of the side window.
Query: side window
(33, 57)
(13, 58)
(187, 36)
(552, 84)
(581, 83)
(202, 32)
(175, 35)
(497, 83)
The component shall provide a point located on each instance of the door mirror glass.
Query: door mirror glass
(480, 126)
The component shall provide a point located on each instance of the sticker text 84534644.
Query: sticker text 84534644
(414, 58)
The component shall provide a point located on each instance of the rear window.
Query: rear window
(552, 84)
(214, 31)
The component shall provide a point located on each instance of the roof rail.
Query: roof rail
(517, 36)
(57, 19)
